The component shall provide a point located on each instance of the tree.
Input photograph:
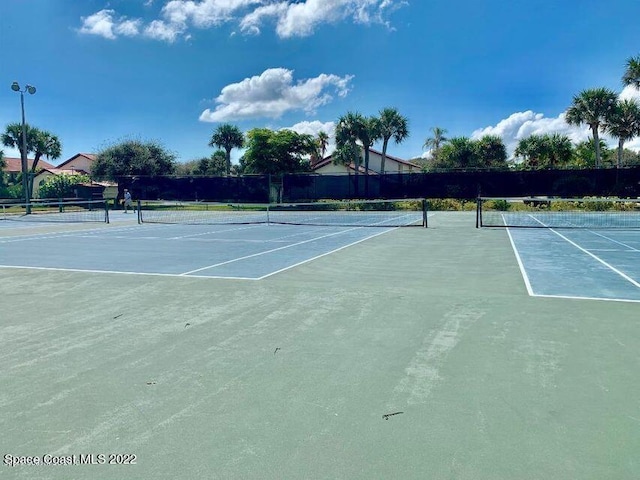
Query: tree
(392, 125)
(347, 134)
(531, 150)
(61, 186)
(491, 152)
(276, 152)
(355, 127)
(624, 124)
(133, 157)
(435, 142)
(227, 137)
(593, 107)
(39, 142)
(464, 153)
(459, 153)
(212, 166)
(545, 151)
(584, 153)
(323, 142)
(632, 73)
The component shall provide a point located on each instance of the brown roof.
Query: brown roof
(329, 159)
(14, 165)
(90, 156)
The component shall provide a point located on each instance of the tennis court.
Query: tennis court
(314, 352)
(215, 251)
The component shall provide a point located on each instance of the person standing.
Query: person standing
(127, 201)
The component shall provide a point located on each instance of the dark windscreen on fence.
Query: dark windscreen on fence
(623, 182)
(253, 188)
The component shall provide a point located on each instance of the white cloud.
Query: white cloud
(630, 93)
(292, 18)
(314, 127)
(128, 28)
(273, 93)
(523, 124)
(100, 23)
(105, 24)
(299, 19)
(159, 30)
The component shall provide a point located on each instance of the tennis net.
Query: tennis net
(537, 212)
(62, 211)
(366, 213)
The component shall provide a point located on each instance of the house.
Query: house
(326, 166)
(80, 164)
(14, 165)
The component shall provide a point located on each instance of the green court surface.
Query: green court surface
(415, 354)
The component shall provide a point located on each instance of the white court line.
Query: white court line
(327, 253)
(55, 269)
(270, 251)
(595, 257)
(603, 299)
(525, 277)
(46, 236)
(614, 241)
(215, 231)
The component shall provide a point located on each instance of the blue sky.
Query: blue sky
(108, 70)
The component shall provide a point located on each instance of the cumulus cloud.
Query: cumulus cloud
(273, 93)
(292, 18)
(314, 127)
(100, 23)
(523, 124)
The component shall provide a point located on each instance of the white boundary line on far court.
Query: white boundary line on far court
(233, 260)
(190, 275)
(148, 274)
(595, 257)
(566, 297)
(523, 271)
(572, 297)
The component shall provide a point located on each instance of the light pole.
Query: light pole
(23, 151)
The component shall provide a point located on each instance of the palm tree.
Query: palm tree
(39, 142)
(227, 137)
(12, 136)
(559, 149)
(593, 107)
(436, 141)
(530, 149)
(347, 134)
(632, 73)
(44, 144)
(624, 124)
(392, 125)
(323, 142)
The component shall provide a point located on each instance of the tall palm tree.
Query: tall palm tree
(593, 107)
(227, 137)
(44, 144)
(369, 133)
(39, 142)
(352, 128)
(632, 73)
(392, 125)
(436, 141)
(624, 124)
(12, 136)
(323, 142)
